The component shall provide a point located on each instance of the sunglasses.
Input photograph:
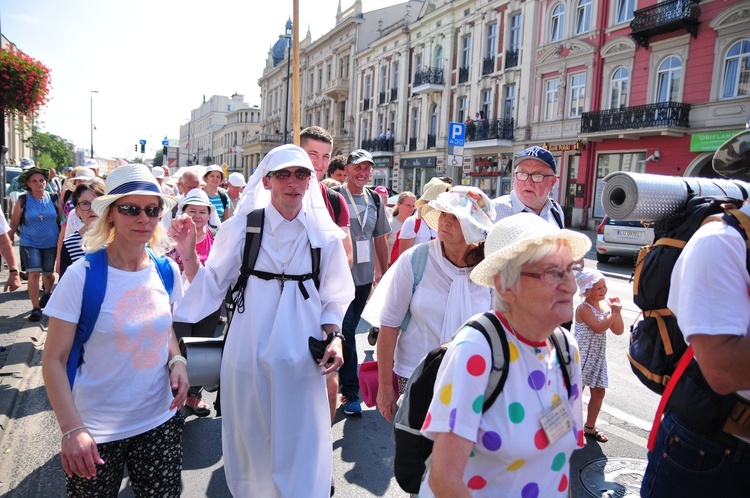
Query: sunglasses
(284, 174)
(130, 210)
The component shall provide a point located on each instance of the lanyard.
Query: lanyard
(362, 220)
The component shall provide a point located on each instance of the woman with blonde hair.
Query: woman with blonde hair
(117, 407)
(403, 209)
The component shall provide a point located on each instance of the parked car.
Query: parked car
(11, 172)
(621, 238)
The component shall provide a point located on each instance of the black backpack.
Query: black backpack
(656, 341)
(412, 448)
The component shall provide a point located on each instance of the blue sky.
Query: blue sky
(150, 61)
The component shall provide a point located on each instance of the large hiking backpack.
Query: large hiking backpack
(658, 354)
(413, 450)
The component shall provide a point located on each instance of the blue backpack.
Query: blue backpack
(94, 289)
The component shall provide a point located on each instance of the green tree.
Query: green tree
(59, 150)
(158, 158)
(137, 160)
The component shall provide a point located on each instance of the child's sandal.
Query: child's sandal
(593, 432)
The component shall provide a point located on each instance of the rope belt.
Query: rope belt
(283, 278)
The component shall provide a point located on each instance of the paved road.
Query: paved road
(363, 451)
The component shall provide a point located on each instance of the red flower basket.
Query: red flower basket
(24, 83)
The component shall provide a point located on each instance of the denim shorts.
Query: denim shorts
(34, 259)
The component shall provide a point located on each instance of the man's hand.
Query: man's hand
(333, 359)
(13, 283)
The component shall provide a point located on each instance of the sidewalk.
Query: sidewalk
(19, 338)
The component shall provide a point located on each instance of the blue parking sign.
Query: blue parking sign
(456, 134)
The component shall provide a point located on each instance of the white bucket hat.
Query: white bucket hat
(470, 205)
(214, 167)
(131, 179)
(586, 279)
(158, 172)
(196, 197)
(236, 179)
(82, 173)
(515, 234)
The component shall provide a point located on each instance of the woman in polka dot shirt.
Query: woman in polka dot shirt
(521, 445)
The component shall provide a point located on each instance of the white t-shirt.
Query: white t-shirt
(709, 286)
(122, 388)
(511, 455)
(4, 227)
(425, 233)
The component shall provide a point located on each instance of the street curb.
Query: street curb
(12, 374)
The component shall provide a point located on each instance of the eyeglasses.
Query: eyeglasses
(130, 210)
(535, 177)
(554, 275)
(285, 174)
(84, 205)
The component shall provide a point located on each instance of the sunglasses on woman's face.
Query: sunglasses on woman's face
(130, 210)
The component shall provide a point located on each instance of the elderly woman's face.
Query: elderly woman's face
(449, 229)
(550, 304)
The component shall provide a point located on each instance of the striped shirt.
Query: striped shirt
(71, 251)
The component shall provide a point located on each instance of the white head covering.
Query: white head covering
(470, 205)
(586, 279)
(321, 227)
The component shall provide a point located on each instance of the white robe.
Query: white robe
(276, 428)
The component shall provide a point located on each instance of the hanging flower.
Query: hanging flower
(24, 83)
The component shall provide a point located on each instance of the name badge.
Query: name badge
(557, 422)
(363, 251)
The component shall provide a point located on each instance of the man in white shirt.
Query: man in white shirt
(9, 255)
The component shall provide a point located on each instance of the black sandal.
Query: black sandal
(593, 432)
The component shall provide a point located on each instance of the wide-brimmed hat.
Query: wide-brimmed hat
(131, 179)
(431, 190)
(537, 153)
(214, 167)
(196, 197)
(470, 205)
(515, 234)
(586, 278)
(23, 177)
(732, 159)
(82, 173)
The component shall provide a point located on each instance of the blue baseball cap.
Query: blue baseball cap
(538, 153)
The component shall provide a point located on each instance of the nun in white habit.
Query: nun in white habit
(276, 431)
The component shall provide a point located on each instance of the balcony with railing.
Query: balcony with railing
(428, 80)
(658, 116)
(665, 17)
(412, 143)
(337, 89)
(490, 129)
(378, 144)
(365, 104)
(488, 65)
(463, 74)
(511, 58)
(394, 94)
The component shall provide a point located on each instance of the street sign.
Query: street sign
(456, 133)
(455, 160)
(143, 142)
(165, 143)
(455, 150)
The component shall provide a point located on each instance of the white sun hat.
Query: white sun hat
(82, 173)
(158, 172)
(470, 205)
(196, 197)
(515, 234)
(131, 179)
(214, 167)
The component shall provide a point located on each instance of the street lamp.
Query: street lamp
(288, 36)
(92, 122)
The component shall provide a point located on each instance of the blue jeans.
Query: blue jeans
(35, 259)
(348, 378)
(686, 464)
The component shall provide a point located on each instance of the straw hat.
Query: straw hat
(82, 173)
(431, 190)
(131, 179)
(515, 234)
(470, 205)
(196, 197)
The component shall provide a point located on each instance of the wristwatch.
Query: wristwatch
(13, 271)
(339, 335)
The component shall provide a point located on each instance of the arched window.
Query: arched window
(557, 21)
(583, 16)
(619, 88)
(737, 71)
(668, 80)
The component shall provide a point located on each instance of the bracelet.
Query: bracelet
(71, 431)
(339, 335)
(13, 271)
(177, 358)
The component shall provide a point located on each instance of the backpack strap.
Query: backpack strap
(417, 225)
(687, 356)
(563, 356)
(418, 264)
(375, 198)
(224, 199)
(94, 288)
(253, 235)
(556, 209)
(164, 269)
(489, 325)
(335, 200)
(22, 203)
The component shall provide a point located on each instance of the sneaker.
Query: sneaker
(44, 299)
(36, 315)
(352, 408)
(199, 407)
(372, 335)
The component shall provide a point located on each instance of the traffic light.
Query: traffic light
(135, 147)
(164, 150)
(143, 148)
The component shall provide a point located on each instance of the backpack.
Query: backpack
(395, 249)
(335, 200)
(658, 353)
(94, 289)
(412, 448)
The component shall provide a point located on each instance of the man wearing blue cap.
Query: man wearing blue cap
(533, 178)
